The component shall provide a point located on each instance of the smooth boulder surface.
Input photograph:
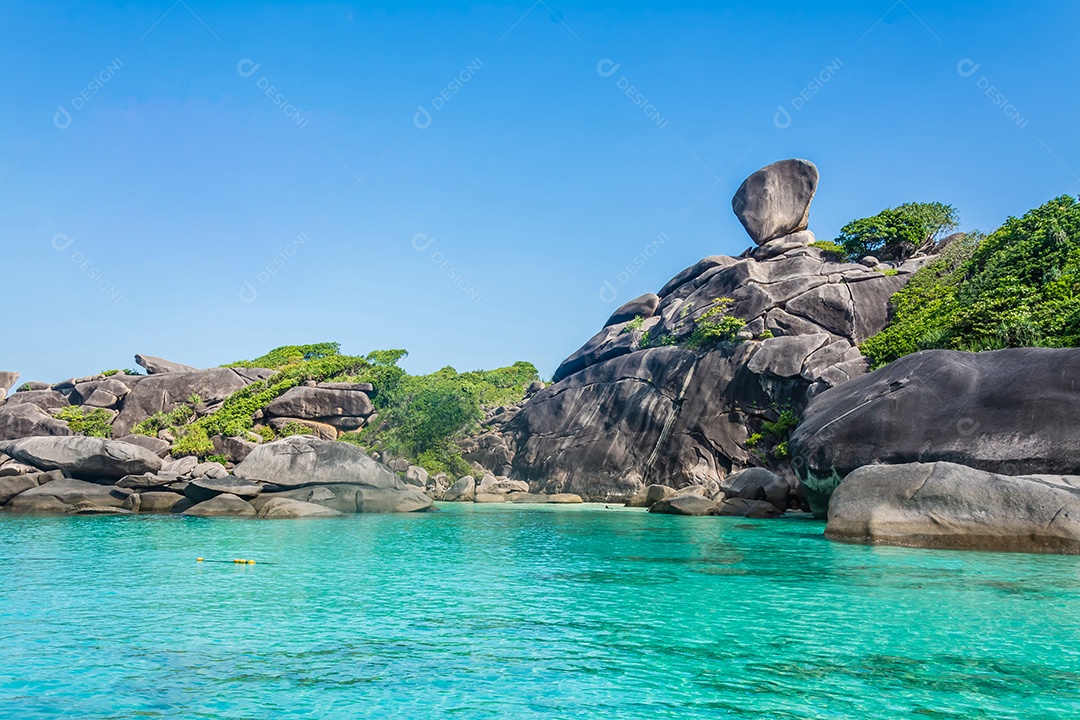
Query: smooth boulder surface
(221, 506)
(1012, 412)
(684, 505)
(304, 460)
(742, 507)
(158, 366)
(758, 484)
(83, 457)
(8, 379)
(27, 420)
(775, 200)
(67, 495)
(204, 488)
(289, 508)
(464, 490)
(349, 499)
(945, 505)
(644, 307)
(312, 403)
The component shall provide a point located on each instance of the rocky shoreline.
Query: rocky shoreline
(737, 389)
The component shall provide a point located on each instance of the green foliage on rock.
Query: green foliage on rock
(772, 441)
(634, 324)
(1018, 287)
(714, 326)
(291, 355)
(110, 373)
(898, 233)
(92, 422)
(830, 250)
(295, 428)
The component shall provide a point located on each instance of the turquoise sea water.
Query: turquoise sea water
(515, 612)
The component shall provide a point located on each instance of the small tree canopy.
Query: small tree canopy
(898, 233)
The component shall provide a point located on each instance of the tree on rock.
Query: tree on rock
(900, 232)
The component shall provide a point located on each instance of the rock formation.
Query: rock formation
(641, 403)
(1013, 412)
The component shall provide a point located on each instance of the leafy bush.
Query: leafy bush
(93, 422)
(110, 373)
(714, 326)
(634, 324)
(645, 340)
(830, 250)
(775, 433)
(898, 233)
(295, 428)
(219, 459)
(1018, 287)
(291, 355)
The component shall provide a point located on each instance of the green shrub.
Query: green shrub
(291, 355)
(110, 373)
(219, 459)
(92, 422)
(714, 326)
(266, 433)
(1020, 286)
(294, 428)
(645, 340)
(830, 250)
(898, 233)
(765, 334)
(634, 324)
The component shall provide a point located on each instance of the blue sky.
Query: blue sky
(476, 183)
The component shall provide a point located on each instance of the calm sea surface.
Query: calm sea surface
(522, 612)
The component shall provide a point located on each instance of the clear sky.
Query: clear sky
(476, 183)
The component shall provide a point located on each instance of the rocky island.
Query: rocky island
(789, 380)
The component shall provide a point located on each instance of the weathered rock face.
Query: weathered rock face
(350, 498)
(282, 508)
(166, 391)
(83, 457)
(28, 420)
(304, 460)
(43, 399)
(1013, 412)
(158, 366)
(7, 381)
(67, 495)
(775, 200)
(221, 506)
(636, 406)
(321, 403)
(945, 505)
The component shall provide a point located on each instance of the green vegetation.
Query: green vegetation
(765, 334)
(898, 233)
(1020, 286)
(714, 326)
(420, 416)
(93, 422)
(295, 428)
(129, 371)
(645, 339)
(110, 373)
(634, 324)
(219, 459)
(772, 440)
(25, 387)
(830, 250)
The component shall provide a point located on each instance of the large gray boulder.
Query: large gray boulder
(28, 420)
(313, 403)
(202, 489)
(643, 307)
(349, 498)
(7, 381)
(65, 496)
(88, 458)
(464, 490)
(167, 391)
(945, 505)
(304, 460)
(757, 483)
(221, 506)
(1012, 412)
(282, 507)
(159, 366)
(775, 200)
(684, 505)
(42, 399)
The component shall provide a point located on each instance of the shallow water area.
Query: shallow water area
(485, 611)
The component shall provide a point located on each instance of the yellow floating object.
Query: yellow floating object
(198, 559)
(250, 562)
